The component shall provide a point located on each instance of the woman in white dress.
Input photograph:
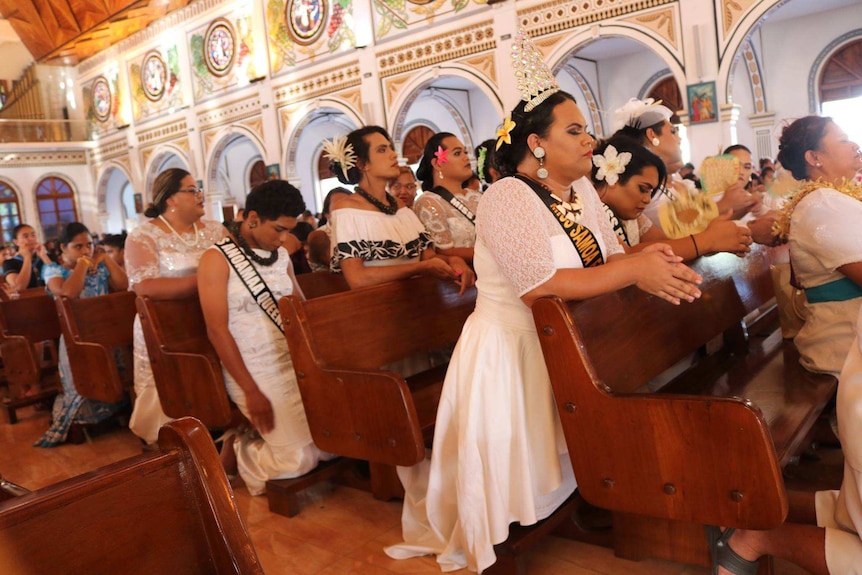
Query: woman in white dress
(499, 455)
(376, 238)
(247, 335)
(447, 210)
(822, 223)
(627, 176)
(161, 260)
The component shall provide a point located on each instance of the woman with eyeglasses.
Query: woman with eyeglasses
(446, 208)
(80, 273)
(161, 262)
(404, 186)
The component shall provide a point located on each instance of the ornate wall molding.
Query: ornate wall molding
(485, 64)
(755, 76)
(592, 101)
(664, 23)
(163, 133)
(450, 46)
(318, 84)
(229, 112)
(180, 145)
(728, 15)
(107, 150)
(557, 16)
(14, 159)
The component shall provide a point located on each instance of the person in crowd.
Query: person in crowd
(821, 222)
(766, 163)
(115, 247)
(404, 186)
(499, 455)
(626, 176)
(767, 174)
(249, 340)
(687, 173)
(25, 269)
(308, 218)
(161, 261)
(485, 164)
(80, 274)
(320, 240)
(472, 183)
(447, 210)
(748, 179)
(297, 246)
(377, 239)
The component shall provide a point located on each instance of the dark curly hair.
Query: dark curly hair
(425, 171)
(356, 138)
(274, 199)
(538, 122)
(798, 138)
(641, 158)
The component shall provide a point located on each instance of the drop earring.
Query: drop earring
(656, 141)
(440, 173)
(539, 153)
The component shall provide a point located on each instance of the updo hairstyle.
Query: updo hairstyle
(425, 171)
(798, 138)
(356, 139)
(166, 185)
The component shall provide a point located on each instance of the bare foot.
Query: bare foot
(228, 456)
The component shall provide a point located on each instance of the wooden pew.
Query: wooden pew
(29, 330)
(318, 284)
(709, 446)
(9, 490)
(186, 367)
(170, 511)
(94, 329)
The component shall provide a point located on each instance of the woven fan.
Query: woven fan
(689, 213)
(717, 173)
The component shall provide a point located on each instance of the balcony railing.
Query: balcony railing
(20, 131)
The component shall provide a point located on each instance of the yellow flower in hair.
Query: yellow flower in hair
(504, 134)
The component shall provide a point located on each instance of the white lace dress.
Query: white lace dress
(499, 454)
(287, 450)
(447, 226)
(825, 234)
(167, 256)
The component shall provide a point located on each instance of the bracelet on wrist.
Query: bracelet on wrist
(696, 250)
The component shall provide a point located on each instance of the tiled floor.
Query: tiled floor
(340, 531)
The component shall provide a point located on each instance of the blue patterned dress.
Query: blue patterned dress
(69, 407)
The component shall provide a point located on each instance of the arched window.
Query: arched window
(56, 203)
(841, 88)
(414, 143)
(257, 174)
(10, 211)
(668, 92)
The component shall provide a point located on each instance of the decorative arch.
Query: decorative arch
(417, 84)
(304, 115)
(443, 99)
(102, 178)
(155, 160)
(221, 140)
(62, 194)
(592, 102)
(414, 139)
(820, 63)
(652, 81)
(10, 209)
(755, 76)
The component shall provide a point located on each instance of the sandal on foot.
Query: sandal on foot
(723, 556)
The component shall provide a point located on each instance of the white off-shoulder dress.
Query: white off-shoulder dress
(499, 455)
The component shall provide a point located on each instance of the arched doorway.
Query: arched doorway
(414, 143)
(840, 88)
(119, 201)
(56, 202)
(231, 168)
(667, 91)
(161, 162)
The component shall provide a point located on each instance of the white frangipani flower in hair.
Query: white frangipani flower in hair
(611, 164)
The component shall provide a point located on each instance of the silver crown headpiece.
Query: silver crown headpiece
(535, 80)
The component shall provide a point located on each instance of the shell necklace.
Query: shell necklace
(193, 244)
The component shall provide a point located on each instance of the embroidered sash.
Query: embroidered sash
(617, 223)
(456, 203)
(581, 237)
(251, 279)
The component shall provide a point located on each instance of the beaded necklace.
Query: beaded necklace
(241, 241)
(386, 209)
(573, 210)
(193, 244)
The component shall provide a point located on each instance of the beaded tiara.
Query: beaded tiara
(535, 80)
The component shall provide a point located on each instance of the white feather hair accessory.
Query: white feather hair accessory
(338, 150)
(639, 114)
(535, 80)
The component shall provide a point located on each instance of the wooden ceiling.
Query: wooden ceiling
(69, 31)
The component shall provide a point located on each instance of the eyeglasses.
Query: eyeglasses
(398, 187)
(192, 190)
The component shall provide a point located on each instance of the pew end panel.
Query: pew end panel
(318, 284)
(111, 520)
(95, 330)
(186, 368)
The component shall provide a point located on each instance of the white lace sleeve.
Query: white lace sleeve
(432, 214)
(511, 224)
(644, 224)
(142, 257)
(591, 200)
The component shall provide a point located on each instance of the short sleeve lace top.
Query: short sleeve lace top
(447, 226)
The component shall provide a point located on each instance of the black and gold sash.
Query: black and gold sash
(582, 238)
(456, 203)
(619, 228)
(250, 278)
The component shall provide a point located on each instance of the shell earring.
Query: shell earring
(440, 173)
(656, 141)
(539, 153)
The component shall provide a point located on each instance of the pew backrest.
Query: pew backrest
(23, 323)
(170, 511)
(96, 330)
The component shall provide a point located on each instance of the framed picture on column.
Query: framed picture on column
(273, 172)
(702, 103)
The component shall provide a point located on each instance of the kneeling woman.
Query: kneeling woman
(246, 332)
(79, 274)
(627, 176)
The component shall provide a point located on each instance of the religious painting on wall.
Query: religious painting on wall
(102, 97)
(702, 103)
(155, 80)
(299, 30)
(392, 16)
(222, 54)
